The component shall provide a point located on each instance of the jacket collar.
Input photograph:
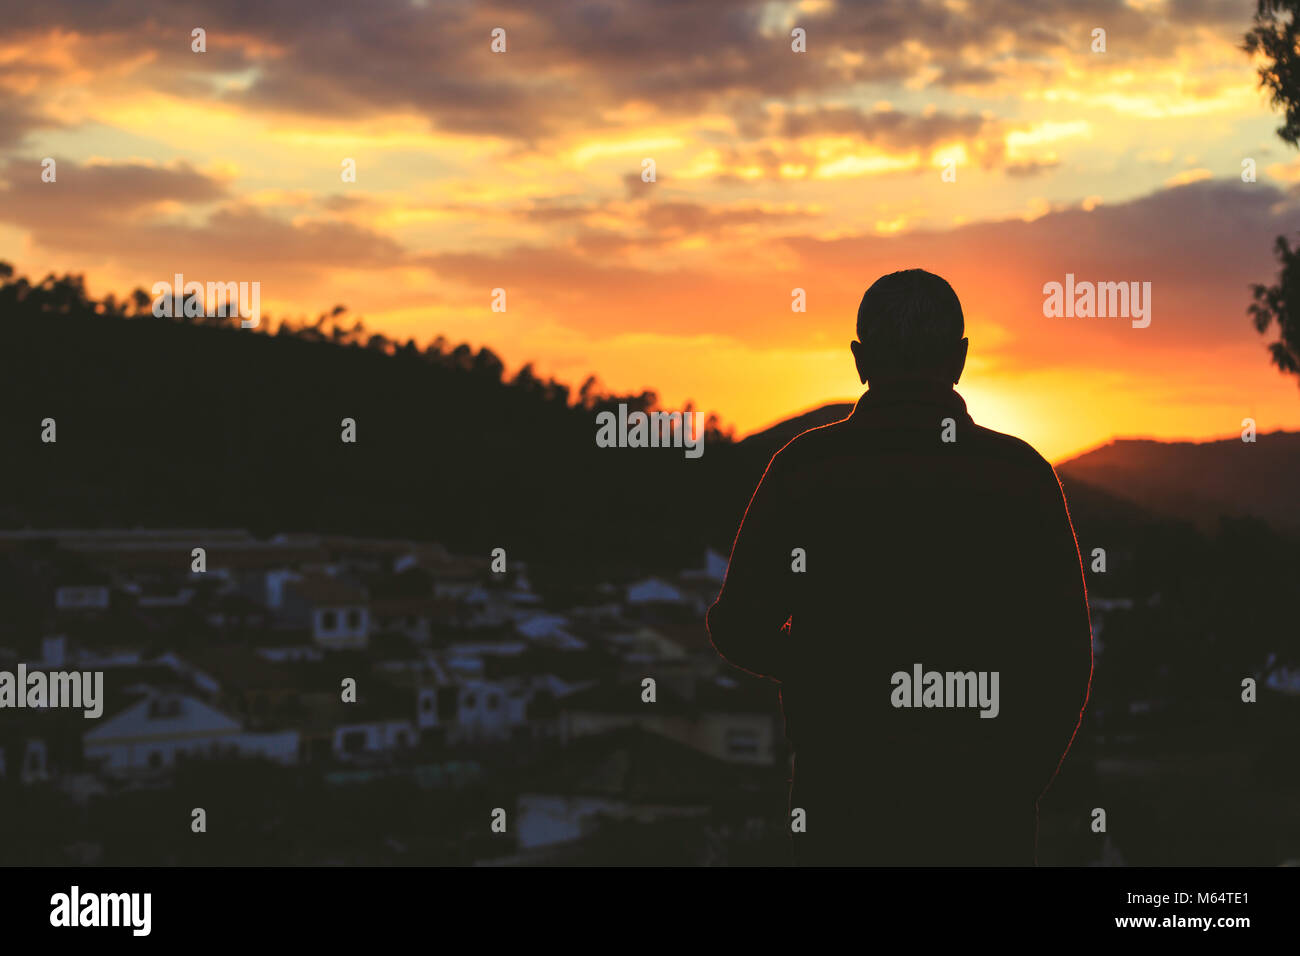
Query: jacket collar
(908, 400)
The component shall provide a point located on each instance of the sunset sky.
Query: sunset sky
(775, 170)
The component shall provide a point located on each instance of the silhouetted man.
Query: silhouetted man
(913, 582)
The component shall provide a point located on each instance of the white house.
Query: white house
(490, 710)
(426, 705)
(81, 598)
(469, 658)
(364, 737)
(549, 630)
(336, 611)
(153, 732)
(654, 591)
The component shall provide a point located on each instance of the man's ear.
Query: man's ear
(859, 359)
(959, 363)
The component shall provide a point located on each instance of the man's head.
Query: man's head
(910, 325)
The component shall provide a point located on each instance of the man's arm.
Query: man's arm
(747, 622)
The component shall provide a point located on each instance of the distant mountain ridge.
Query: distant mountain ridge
(174, 424)
(1200, 481)
(1189, 481)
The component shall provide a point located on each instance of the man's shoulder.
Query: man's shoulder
(1018, 456)
(812, 443)
(824, 438)
(845, 438)
(989, 452)
(1010, 447)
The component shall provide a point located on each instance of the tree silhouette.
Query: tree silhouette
(1273, 304)
(140, 301)
(446, 436)
(487, 364)
(1275, 36)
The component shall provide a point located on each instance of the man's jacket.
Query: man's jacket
(907, 540)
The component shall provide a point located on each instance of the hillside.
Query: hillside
(169, 423)
(1199, 481)
(1142, 480)
(163, 422)
(777, 435)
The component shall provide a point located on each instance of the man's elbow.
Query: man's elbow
(739, 640)
(722, 633)
(728, 636)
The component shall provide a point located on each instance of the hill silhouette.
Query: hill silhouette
(780, 433)
(1199, 481)
(199, 423)
(1129, 482)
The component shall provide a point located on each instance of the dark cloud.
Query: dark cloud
(699, 219)
(18, 117)
(1201, 246)
(557, 211)
(97, 192)
(913, 137)
(889, 128)
(1211, 12)
(651, 221)
(348, 204)
(1029, 168)
(964, 74)
(112, 212)
(570, 62)
(635, 187)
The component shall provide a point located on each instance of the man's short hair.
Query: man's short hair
(910, 321)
